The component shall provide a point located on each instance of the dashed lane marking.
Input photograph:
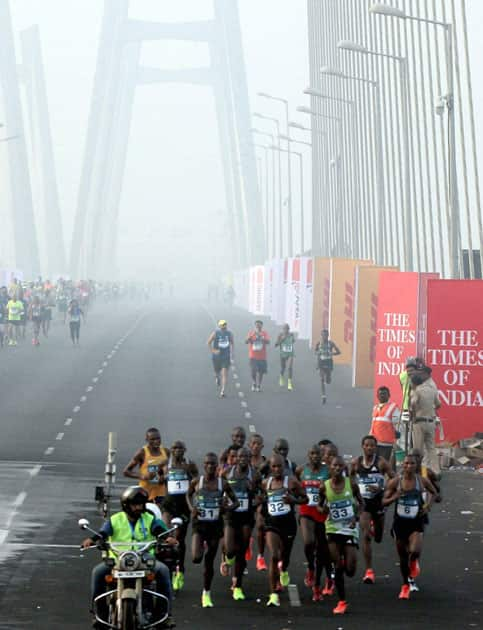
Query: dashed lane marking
(104, 363)
(59, 436)
(293, 595)
(237, 385)
(19, 499)
(95, 379)
(76, 409)
(241, 394)
(100, 371)
(244, 404)
(83, 399)
(252, 429)
(89, 388)
(49, 451)
(248, 415)
(68, 422)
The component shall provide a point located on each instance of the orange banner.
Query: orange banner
(366, 291)
(320, 297)
(342, 306)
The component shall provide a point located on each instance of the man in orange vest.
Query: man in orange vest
(385, 417)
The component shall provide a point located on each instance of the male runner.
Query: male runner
(406, 490)
(220, 343)
(257, 461)
(340, 500)
(150, 460)
(245, 483)
(280, 494)
(281, 447)
(286, 341)
(369, 472)
(257, 341)
(14, 315)
(206, 498)
(178, 473)
(238, 438)
(325, 350)
(312, 527)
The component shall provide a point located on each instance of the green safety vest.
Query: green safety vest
(123, 530)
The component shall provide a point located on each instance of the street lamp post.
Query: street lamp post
(408, 215)
(267, 199)
(447, 101)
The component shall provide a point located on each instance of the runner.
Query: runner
(46, 312)
(406, 490)
(325, 350)
(257, 341)
(245, 483)
(238, 438)
(220, 343)
(178, 472)
(35, 315)
(256, 445)
(369, 472)
(286, 341)
(75, 313)
(280, 494)
(340, 499)
(312, 527)
(14, 315)
(257, 461)
(150, 460)
(207, 504)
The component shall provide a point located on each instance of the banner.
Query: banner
(306, 282)
(241, 285)
(293, 294)
(397, 321)
(280, 315)
(267, 288)
(321, 298)
(277, 282)
(455, 352)
(256, 289)
(366, 290)
(341, 318)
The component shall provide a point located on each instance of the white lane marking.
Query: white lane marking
(293, 595)
(49, 451)
(83, 399)
(237, 385)
(95, 379)
(235, 376)
(104, 363)
(109, 356)
(244, 403)
(248, 414)
(241, 394)
(89, 388)
(35, 470)
(3, 535)
(59, 436)
(76, 409)
(19, 499)
(252, 429)
(27, 545)
(68, 422)
(100, 371)
(114, 352)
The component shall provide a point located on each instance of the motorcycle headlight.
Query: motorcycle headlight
(129, 561)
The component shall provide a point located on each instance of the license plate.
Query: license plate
(129, 574)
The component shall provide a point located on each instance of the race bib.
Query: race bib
(243, 507)
(223, 343)
(287, 348)
(179, 486)
(313, 496)
(408, 508)
(208, 514)
(341, 510)
(278, 508)
(257, 346)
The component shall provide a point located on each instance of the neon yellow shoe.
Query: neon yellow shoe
(290, 385)
(238, 594)
(281, 381)
(273, 600)
(178, 581)
(230, 561)
(206, 600)
(284, 578)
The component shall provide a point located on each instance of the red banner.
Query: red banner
(455, 352)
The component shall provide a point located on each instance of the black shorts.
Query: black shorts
(342, 539)
(402, 528)
(15, 322)
(374, 507)
(237, 520)
(208, 530)
(220, 361)
(258, 365)
(326, 364)
(284, 526)
(177, 506)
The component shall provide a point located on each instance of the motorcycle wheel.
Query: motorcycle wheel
(129, 620)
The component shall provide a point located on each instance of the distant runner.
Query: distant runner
(286, 342)
(220, 343)
(325, 351)
(257, 341)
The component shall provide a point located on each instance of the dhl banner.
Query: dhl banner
(306, 283)
(267, 288)
(455, 352)
(341, 310)
(320, 298)
(366, 290)
(282, 293)
(256, 289)
(277, 283)
(293, 294)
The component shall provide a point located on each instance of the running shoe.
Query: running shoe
(413, 587)
(238, 594)
(329, 587)
(317, 594)
(261, 564)
(309, 578)
(217, 380)
(281, 381)
(273, 600)
(259, 388)
(414, 569)
(369, 577)
(178, 581)
(254, 387)
(206, 601)
(249, 551)
(324, 399)
(405, 591)
(284, 576)
(290, 385)
(222, 394)
(341, 608)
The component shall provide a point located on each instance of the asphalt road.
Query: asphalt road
(146, 365)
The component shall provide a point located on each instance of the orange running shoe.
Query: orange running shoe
(309, 578)
(249, 551)
(369, 577)
(329, 587)
(317, 594)
(405, 591)
(261, 564)
(414, 569)
(341, 608)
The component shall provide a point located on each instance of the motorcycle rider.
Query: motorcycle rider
(133, 523)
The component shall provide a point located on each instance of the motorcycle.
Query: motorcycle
(131, 605)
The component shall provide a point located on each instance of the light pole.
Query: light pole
(403, 67)
(267, 200)
(447, 101)
(379, 153)
(285, 104)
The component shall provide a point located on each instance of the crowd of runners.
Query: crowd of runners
(253, 506)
